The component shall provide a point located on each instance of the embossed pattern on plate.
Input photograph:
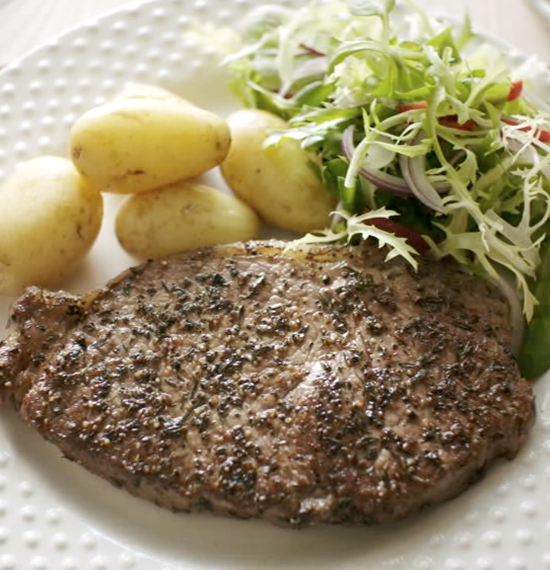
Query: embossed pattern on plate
(54, 515)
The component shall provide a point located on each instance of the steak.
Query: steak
(300, 386)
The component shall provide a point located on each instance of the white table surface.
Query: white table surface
(24, 24)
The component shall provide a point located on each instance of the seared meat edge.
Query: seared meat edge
(314, 386)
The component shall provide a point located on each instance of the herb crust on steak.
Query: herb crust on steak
(318, 384)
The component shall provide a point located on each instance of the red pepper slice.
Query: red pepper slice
(402, 107)
(515, 90)
(451, 121)
(413, 237)
(541, 134)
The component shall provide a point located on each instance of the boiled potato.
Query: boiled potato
(182, 217)
(49, 218)
(137, 144)
(277, 181)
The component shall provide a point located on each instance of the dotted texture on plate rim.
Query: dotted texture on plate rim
(502, 523)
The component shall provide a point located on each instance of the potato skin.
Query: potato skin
(139, 143)
(182, 217)
(49, 218)
(277, 181)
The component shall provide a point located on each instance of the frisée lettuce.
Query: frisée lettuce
(428, 138)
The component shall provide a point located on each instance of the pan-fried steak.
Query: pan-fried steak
(319, 385)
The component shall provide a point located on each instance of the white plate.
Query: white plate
(54, 515)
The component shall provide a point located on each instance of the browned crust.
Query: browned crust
(408, 391)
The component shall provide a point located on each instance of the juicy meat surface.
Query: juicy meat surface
(319, 385)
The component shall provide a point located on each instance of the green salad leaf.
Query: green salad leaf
(534, 357)
(371, 7)
(419, 120)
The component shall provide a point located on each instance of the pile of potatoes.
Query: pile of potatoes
(151, 144)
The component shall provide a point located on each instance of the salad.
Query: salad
(432, 144)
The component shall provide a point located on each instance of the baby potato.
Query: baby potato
(137, 144)
(49, 218)
(182, 217)
(277, 181)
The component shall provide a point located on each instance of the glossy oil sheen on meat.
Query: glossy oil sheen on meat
(319, 385)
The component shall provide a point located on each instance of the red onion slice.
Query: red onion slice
(310, 69)
(316, 66)
(312, 50)
(380, 179)
(414, 173)
(383, 180)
